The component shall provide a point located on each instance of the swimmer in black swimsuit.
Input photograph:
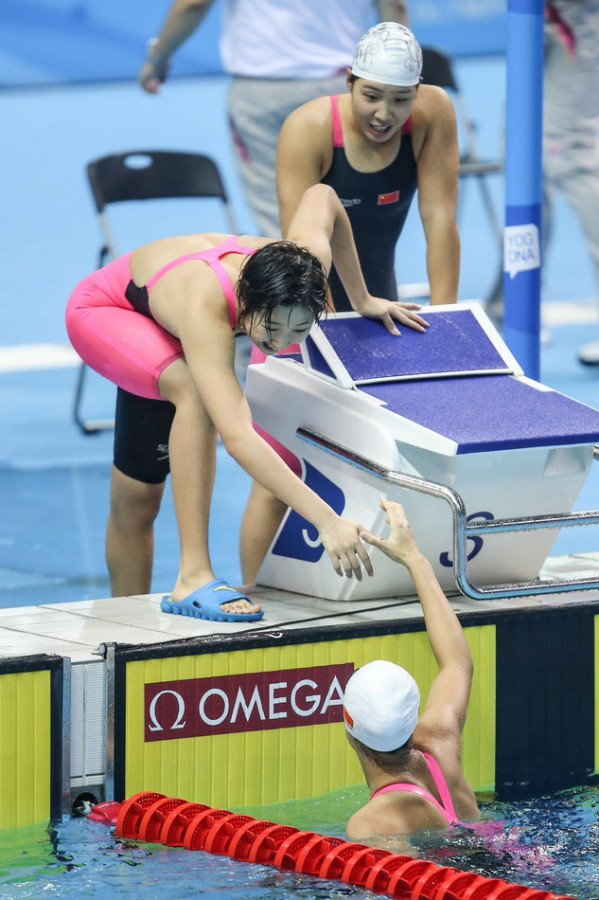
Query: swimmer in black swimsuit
(386, 140)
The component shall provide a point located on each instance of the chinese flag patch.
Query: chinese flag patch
(392, 197)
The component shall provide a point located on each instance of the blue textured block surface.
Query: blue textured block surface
(492, 412)
(453, 342)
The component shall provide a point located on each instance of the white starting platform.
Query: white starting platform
(486, 462)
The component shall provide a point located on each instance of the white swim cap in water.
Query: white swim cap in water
(380, 705)
(389, 54)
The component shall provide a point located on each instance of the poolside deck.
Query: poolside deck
(75, 630)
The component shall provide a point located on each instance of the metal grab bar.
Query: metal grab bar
(462, 530)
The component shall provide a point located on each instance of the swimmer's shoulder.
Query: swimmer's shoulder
(309, 121)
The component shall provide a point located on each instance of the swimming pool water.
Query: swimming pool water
(549, 843)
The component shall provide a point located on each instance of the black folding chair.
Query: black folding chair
(145, 175)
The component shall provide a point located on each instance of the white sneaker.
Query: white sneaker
(589, 354)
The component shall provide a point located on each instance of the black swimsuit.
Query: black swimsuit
(377, 204)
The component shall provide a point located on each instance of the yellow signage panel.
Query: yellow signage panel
(253, 726)
(25, 747)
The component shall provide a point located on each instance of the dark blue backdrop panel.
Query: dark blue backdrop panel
(453, 342)
(491, 412)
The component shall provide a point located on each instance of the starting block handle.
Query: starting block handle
(462, 530)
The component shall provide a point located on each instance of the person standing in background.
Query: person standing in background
(571, 123)
(280, 55)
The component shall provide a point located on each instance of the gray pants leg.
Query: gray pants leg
(257, 109)
(571, 138)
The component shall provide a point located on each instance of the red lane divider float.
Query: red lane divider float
(177, 821)
(153, 819)
(132, 812)
(148, 816)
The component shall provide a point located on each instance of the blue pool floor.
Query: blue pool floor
(54, 480)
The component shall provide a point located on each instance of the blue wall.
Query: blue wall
(56, 41)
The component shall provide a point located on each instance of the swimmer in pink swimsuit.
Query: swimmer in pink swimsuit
(408, 756)
(139, 351)
(160, 323)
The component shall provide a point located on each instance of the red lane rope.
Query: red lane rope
(154, 817)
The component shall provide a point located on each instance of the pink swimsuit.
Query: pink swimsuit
(118, 338)
(446, 807)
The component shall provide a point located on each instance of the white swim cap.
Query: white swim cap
(390, 54)
(380, 706)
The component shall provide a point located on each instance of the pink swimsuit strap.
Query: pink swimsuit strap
(336, 122)
(337, 128)
(446, 807)
(212, 256)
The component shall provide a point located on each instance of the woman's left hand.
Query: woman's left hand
(390, 312)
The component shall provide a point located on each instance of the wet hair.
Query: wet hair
(281, 274)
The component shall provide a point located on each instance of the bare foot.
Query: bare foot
(240, 606)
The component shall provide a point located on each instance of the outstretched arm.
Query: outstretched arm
(181, 21)
(208, 346)
(321, 224)
(448, 697)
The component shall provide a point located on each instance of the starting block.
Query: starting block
(449, 407)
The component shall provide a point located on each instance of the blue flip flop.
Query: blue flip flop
(205, 603)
